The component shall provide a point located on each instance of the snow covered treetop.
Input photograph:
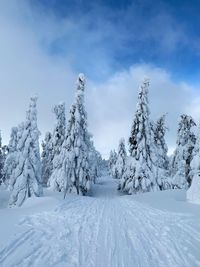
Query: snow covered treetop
(187, 121)
(81, 82)
(143, 89)
(122, 140)
(59, 109)
(33, 100)
(81, 77)
(32, 108)
(145, 82)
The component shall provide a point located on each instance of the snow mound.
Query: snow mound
(193, 193)
(4, 196)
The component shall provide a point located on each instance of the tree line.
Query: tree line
(69, 162)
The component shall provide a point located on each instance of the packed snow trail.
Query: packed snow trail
(104, 230)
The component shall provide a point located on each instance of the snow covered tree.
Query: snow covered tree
(60, 126)
(112, 161)
(72, 174)
(161, 160)
(142, 178)
(183, 154)
(127, 181)
(77, 167)
(26, 181)
(47, 158)
(161, 146)
(195, 162)
(59, 174)
(193, 193)
(119, 166)
(11, 159)
(95, 161)
(58, 138)
(3, 150)
(100, 164)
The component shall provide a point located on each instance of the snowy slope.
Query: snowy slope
(106, 229)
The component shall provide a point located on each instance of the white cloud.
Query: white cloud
(194, 108)
(26, 69)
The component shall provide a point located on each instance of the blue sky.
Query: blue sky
(121, 33)
(44, 44)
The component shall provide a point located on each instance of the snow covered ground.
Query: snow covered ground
(106, 229)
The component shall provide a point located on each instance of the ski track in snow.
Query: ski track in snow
(106, 230)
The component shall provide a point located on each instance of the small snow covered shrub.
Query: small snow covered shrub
(126, 183)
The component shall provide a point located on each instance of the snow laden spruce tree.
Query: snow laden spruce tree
(161, 160)
(25, 181)
(3, 151)
(120, 164)
(13, 155)
(58, 138)
(139, 175)
(47, 158)
(95, 161)
(73, 172)
(11, 159)
(193, 193)
(111, 162)
(77, 166)
(59, 130)
(183, 154)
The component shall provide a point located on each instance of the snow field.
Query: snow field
(107, 229)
